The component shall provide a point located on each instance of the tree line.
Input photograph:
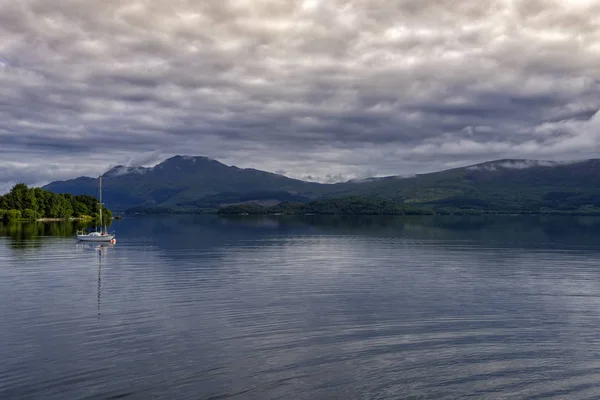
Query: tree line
(25, 203)
(334, 206)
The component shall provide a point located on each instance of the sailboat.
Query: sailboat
(96, 236)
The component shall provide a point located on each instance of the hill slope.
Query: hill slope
(507, 185)
(182, 181)
(502, 185)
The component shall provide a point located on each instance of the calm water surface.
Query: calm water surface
(321, 308)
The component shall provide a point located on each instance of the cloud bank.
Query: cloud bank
(326, 89)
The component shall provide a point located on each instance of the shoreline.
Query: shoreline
(44, 220)
(62, 219)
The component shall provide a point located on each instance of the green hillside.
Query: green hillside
(503, 185)
(513, 186)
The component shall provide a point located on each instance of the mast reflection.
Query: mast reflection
(101, 249)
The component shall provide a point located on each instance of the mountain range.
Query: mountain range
(188, 183)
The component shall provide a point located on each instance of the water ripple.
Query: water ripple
(259, 314)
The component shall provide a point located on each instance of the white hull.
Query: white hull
(96, 238)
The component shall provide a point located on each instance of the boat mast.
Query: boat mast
(101, 227)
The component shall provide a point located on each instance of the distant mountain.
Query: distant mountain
(510, 185)
(505, 185)
(182, 181)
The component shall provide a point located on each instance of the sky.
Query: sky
(323, 90)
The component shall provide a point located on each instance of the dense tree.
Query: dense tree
(337, 206)
(29, 214)
(13, 215)
(23, 202)
(79, 209)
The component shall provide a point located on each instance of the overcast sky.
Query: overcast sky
(330, 89)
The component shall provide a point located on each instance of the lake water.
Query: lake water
(202, 307)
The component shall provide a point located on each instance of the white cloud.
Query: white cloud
(518, 164)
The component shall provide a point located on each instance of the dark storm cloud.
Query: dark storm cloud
(327, 89)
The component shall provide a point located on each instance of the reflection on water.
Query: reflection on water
(503, 230)
(202, 307)
(528, 230)
(101, 249)
(24, 233)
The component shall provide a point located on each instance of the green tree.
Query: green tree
(29, 214)
(13, 215)
(79, 208)
(106, 214)
(89, 201)
(29, 199)
(18, 196)
(32, 203)
(65, 209)
(41, 197)
(53, 207)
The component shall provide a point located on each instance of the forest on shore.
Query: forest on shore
(337, 206)
(23, 203)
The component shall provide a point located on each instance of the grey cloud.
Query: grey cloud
(326, 89)
(40, 173)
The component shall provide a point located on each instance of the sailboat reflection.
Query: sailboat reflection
(101, 249)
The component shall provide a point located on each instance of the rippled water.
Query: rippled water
(320, 308)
